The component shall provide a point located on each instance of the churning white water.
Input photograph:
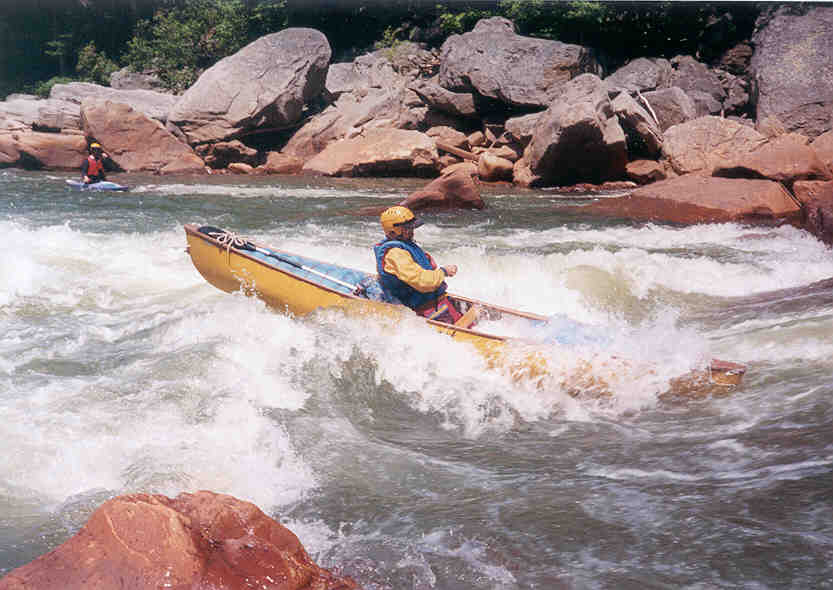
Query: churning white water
(394, 453)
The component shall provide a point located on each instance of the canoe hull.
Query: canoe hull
(232, 269)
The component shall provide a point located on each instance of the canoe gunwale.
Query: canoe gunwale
(193, 230)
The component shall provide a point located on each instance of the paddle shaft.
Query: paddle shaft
(302, 267)
(231, 240)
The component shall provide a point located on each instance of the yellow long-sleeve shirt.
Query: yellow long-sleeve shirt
(401, 264)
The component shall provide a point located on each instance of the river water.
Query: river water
(395, 454)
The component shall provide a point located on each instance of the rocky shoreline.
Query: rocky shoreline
(488, 106)
(747, 138)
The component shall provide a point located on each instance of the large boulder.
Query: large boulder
(197, 541)
(702, 144)
(279, 163)
(695, 199)
(671, 106)
(518, 71)
(577, 139)
(377, 152)
(36, 150)
(792, 74)
(641, 75)
(266, 84)
(41, 114)
(133, 140)
(643, 133)
(455, 188)
(380, 98)
(699, 82)
(456, 104)
(520, 129)
(785, 159)
(823, 146)
(148, 102)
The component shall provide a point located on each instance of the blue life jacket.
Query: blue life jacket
(393, 285)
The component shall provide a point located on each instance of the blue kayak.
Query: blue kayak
(104, 185)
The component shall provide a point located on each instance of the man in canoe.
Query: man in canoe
(93, 167)
(407, 272)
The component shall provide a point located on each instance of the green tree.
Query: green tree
(185, 38)
(93, 66)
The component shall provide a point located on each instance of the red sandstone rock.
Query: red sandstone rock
(185, 164)
(196, 541)
(699, 199)
(785, 158)
(823, 146)
(456, 188)
(133, 140)
(817, 208)
(645, 171)
(53, 151)
(703, 143)
(492, 168)
(378, 152)
(279, 163)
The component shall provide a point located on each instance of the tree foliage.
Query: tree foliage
(93, 66)
(42, 39)
(180, 42)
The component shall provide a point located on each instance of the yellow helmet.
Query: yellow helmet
(95, 145)
(395, 219)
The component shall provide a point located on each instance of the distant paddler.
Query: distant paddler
(93, 167)
(408, 273)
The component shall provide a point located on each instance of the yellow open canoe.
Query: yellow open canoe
(300, 285)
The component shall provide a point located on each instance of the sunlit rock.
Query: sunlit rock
(133, 140)
(378, 152)
(456, 188)
(694, 199)
(264, 85)
(201, 541)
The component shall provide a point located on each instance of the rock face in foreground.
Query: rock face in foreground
(196, 541)
(264, 85)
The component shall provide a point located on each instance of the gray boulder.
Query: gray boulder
(374, 95)
(148, 102)
(695, 77)
(578, 139)
(672, 106)
(38, 113)
(792, 74)
(705, 143)
(125, 79)
(518, 71)
(641, 75)
(643, 133)
(521, 129)
(456, 104)
(264, 85)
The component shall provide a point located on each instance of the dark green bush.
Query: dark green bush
(43, 89)
(93, 66)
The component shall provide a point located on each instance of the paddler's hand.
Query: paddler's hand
(450, 270)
